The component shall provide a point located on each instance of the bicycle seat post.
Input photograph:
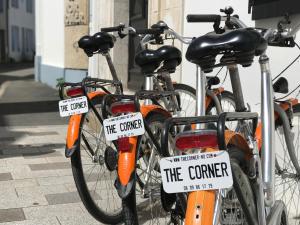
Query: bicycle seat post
(267, 115)
(112, 69)
(200, 94)
(148, 86)
(237, 88)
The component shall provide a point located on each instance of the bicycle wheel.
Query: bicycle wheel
(287, 182)
(93, 168)
(144, 205)
(187, 96)
(237, 203)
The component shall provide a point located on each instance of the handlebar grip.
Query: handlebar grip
(149, 31)
(203, 18)
(113, 29)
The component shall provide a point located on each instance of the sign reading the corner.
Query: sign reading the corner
(205, 171)
(124, 126)
(73, 106)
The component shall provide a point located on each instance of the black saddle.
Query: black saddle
(149, 60)
(100, 42)
(237, 46)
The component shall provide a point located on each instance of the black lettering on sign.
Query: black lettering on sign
(64, 108)
(192, 176)
(212, 170)
(224, 169)
(111, 129)
(173, 174)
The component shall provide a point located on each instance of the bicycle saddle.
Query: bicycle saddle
(149, 60)
(237, 46)
(100, 42)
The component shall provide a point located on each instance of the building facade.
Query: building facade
(59, 25)
(17, 30)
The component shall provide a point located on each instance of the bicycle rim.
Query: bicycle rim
(96, 162)
(287, 181)
(148, 187)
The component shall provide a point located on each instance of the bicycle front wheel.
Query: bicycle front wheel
(94, 170)
(287, 177)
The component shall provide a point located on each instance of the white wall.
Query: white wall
(21, 18)
(50, 32)
(250, 77)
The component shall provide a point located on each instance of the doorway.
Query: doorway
(2, 46)
(138, 18)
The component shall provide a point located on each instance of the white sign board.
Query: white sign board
(73, 106)
(124, 126)
(204, 171)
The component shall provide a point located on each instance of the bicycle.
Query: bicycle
(127, 160)
(85, 141)
(246, 181)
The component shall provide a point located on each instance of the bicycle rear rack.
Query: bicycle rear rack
(220, 120)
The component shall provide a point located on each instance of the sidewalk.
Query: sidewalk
(36, 183)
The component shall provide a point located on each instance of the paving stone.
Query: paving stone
(50, 211)
(49, 166)
(43, 133)
(63, 198)
(47, 221)
(5, 176)
(40, 154)
(55, 180)
(8, 215)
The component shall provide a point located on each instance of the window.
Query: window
(15, 44)
(1, 6)
(29, 40)
(15, 4)
(29, 6)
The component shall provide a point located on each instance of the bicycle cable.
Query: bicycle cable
(225, 77)
(285, 69)
(277, 99)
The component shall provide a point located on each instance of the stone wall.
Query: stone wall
(76, 25)
(170, 11)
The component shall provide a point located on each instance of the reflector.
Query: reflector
(123, 144)
(196, 139)
(122, 107)
(73, 92)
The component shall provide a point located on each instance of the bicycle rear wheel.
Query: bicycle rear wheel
(144, 204)
(93, 168)
(287, 178)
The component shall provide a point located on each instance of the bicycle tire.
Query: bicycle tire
(82, 184)
(242, 186)
(225, 95)
(133, 205)
(287, 185)
(190, 101)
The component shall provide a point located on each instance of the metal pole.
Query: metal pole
(200, 94)
(237, 88)
(148, 87)
(267, 114)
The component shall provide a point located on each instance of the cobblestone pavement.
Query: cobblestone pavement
(36, 183)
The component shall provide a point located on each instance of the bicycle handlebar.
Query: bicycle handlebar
(203, 18)
(113, 29)
(154, 31)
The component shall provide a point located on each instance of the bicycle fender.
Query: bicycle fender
(201, 205)
(284, 106)
(72, 143)
(126, 168)
(147, 109)
(200, 208)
